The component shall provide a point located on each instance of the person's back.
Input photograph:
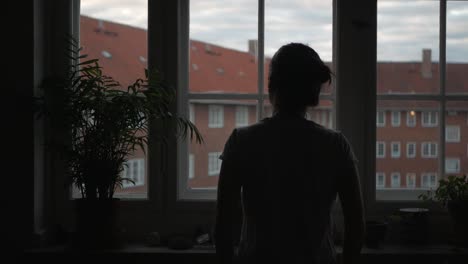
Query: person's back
(290, 171)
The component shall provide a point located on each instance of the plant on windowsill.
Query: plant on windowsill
(452, 193)
(104, 123)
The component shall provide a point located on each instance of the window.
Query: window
(215, 116)
(395, 149)
(429, 119)
(429, 150)
(411, 118)
(191, 173)
(395, 180)
(380, 180)
(192, 113)
(134, 169)
(428, 180)
(380, 118)
(214, 163)
(242, 116)
(452, 133)
(380, 149)
(356, 122)
(452, 165)
(410, 180)
(410, 149)
(396, 118)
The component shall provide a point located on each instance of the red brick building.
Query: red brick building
(407, 131)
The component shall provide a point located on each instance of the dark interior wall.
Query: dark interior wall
(17, 127)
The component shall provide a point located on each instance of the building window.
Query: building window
(380, 118)
(452, 165)
(410, 180)
(410, 149)
(411, 118)
(191, 166)
(242, 116)
(214, 163)
(429, 118)
(428, 180)
(396, 149)
(380, 149)
(395, 180)
(134, 169)
(396, 118)
(452, 133)
(429, 150)
(215, 116)
(192, 113)
(380, 180)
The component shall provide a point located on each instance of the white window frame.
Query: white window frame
(429, 118)
(214, 163)
(377, 144)
(395, 154)
(215, 116)
(242, 115)
(448, 167)
(393, 185)
(408, 154)
(428, 146)
(128, 172)
(408, 177)
(191, 166)
(430, 178)
(411, 120)
(396, 118)
(377, 175)
(448, 133)
(380, 119)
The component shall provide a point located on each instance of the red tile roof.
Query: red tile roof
(218, 69)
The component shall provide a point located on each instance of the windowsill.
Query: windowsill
(397, 249)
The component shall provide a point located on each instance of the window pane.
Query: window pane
(308, 22)
(118, 38)
(205, 157)
(407, 47)
(223, 46)
(411, 150)
(456, 135)
(457, 47)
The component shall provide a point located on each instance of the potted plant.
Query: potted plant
(452, 193)
(104, 123)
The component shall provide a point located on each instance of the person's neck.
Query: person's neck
(290, 114)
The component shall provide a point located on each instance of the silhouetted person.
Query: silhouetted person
(281, 176)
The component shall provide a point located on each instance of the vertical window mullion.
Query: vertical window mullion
(261, 57)
(442, 76)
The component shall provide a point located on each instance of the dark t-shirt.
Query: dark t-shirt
(287, 170)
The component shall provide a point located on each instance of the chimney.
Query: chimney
(426, 65)
(253, 47)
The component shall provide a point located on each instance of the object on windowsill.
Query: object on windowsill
(375, 233)
(414, 225)
(153, 239)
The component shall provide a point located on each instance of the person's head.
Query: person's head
(295, 78)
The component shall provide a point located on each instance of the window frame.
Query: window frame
(408, 144)
(242, 112)
(168, 36)
(409, 117)
(378, 155)
(452, 140)
(215, 116)
(396, 122)
(395, 155)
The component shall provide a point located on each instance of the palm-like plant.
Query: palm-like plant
(106, 123)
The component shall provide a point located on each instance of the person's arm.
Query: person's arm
(349, 191)
(227, 206)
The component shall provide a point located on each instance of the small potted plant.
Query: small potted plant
(104, 124)
(452, 193)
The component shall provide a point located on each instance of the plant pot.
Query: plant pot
(375, 233)
(96, 224)
(414, 225)
(458, 211)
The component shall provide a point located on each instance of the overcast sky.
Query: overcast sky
(404, 27)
